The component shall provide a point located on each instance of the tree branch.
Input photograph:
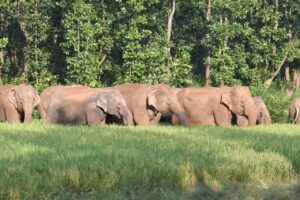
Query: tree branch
(102, 60)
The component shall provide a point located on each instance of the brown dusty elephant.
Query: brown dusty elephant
(83, 105)
(148, 103)
(46, 96)
(216, 106)
(17, 102)
(262, 113)
(294, 111)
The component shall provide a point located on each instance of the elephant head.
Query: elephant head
(164, 101)
(113, 104)
(263, 115)
(24, 98)
(240, 102)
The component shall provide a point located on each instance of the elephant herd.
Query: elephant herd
(137, 104)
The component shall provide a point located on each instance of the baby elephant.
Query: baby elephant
(263, 115)
(86, 106)
(294, 111)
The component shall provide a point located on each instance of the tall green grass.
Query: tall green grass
(40, 161)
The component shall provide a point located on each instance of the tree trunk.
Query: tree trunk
(1, 48)
(78, 51)
(24, 40)
(208, 59)
(269, 81)
(55, 45)
(170, 23)
(276, 24)
(289, 89)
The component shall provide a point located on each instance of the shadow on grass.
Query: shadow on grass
(246, 191)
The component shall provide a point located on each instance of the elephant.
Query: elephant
(212, 106)
(17, 102)
(262, 113)
(294, 111)
(84, 105)
(46, 96)
(148, 103)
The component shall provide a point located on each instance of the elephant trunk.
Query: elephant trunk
(126, 116)
(27, 109)
(267, 118)
(178, 111)
(251, 112)
(182, 118)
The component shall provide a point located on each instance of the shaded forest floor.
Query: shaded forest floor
(40, 161)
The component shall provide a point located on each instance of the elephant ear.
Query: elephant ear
(102, 102)
(12, 98)
(151, 99)
(226, 99)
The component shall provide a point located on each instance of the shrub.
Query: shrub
(278, 104)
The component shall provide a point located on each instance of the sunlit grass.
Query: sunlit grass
(39, 161)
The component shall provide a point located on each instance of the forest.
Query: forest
(182, 43)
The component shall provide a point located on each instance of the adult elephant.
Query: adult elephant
(46, 96)
(294, 111)
(262, 113)
(216, 106)
(148, 103)
(83, 105)
(17, 102)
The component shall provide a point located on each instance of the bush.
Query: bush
(278, 104)
(296, 94)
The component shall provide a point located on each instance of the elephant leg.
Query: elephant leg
(2, 115)
(12, 116)
(95, 117)
(175, 120)
(223, 116)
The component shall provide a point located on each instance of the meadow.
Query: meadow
(39, 161)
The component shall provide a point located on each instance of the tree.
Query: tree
(81, 46)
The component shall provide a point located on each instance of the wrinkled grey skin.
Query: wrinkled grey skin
(83, 105)
(17, 102)
(148, 103)
(263, 115)
(294, 111)
(210, 106)
(46, 96)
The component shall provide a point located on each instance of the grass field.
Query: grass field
(39, 161)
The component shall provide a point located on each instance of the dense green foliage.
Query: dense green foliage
(101, 43)
(47, 162)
